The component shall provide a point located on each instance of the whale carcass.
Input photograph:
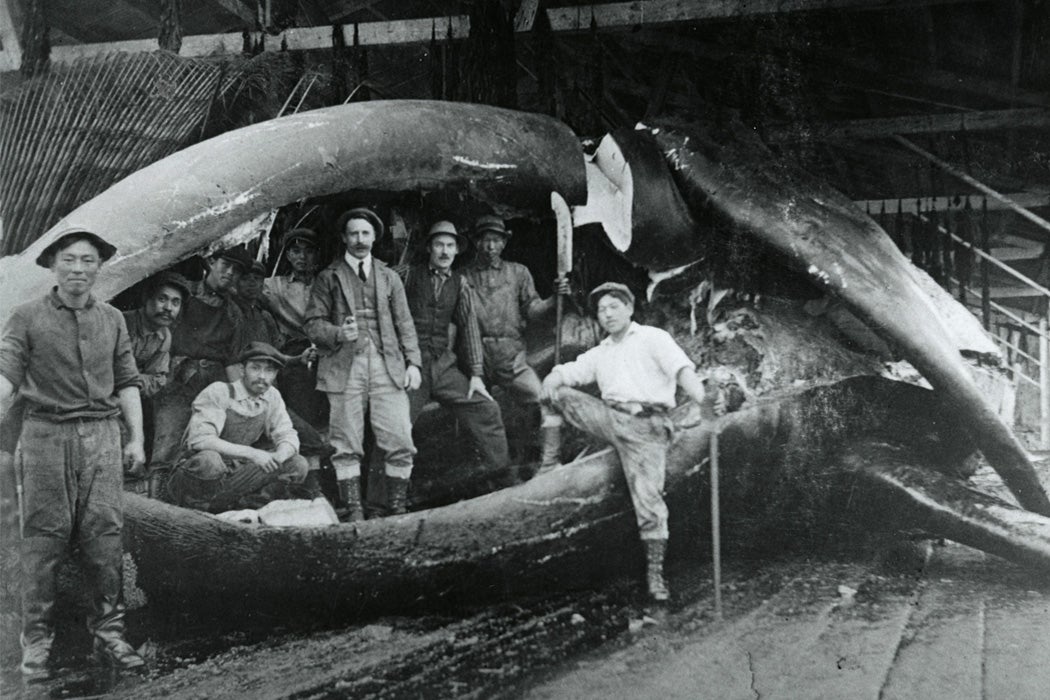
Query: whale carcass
(718, 191)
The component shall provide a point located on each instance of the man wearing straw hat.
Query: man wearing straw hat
(70, 358)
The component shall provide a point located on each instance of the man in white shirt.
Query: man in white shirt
(637, 369)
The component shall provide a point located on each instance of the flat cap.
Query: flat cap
(620, 291)
(490, 224)
(300, 234)
(257, 268)
(360, 213)
(238, 256)
(47, 256)
(446, 228)
(168, 278)
(256, 350)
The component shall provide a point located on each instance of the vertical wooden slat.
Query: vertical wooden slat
(986, 295)
(1044, 384)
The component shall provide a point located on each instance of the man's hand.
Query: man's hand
(135, 459)
(413, 378)
(561, 285)
(549, 389)
(477, 386)
(267, 461)
(307, 356)
(348, 331)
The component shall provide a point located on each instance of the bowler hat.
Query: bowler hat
(167, 278)
(490, 224)
(620, 291)
(360, 213)
(238, 256)
(300, 234)
(446, 228)
(256, 350)
(47, 256)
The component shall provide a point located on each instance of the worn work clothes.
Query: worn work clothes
(259, 324)
(335, 295)
(217, 403)
(152, 350)
(435, 304)
(640, 443)
(287, 299)
(370, 389)
(68, 363)
(642, 367)
(207, 480)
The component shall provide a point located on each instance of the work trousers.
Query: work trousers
(640, 443)
(370, 389)
(506, 366)
(72, 476)
(297, 384)
(208, 481)
(444, 383)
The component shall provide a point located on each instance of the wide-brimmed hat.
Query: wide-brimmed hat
(490, 224)
(620, 291)
(360, 213)
(167, 278)
(300, 234)
(257, 350)
(446, 228)
(47, 256)
(238, 256)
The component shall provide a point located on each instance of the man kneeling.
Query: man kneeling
(239, 441)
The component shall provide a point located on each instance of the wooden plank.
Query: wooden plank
(941, 203)
(526, 15)
(1014, 292)
(10, 47)
(1034, 117)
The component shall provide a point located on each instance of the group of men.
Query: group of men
(373, 344)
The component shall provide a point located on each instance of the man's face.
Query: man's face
(301, 256)
(358, 237)
(443, 251)
(223, 275)
(163, 307)
(76, 266)
(491, 245)
(259, 375)
(250, 286)
(614, 315)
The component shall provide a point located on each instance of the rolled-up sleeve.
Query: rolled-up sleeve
(581, 371)
(14, 349)
(279, 424)
(209, 414)
(669, 355)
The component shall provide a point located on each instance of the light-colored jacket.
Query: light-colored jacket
(331, 302)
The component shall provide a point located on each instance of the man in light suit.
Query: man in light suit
(359, 319)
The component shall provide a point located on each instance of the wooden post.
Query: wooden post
(716, 534)
(1044, 385)
(986, 294)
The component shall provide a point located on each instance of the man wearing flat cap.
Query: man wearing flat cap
(239, 441)
(637, 369)
(359, 319)
(204, 349)
(69, 357)
(440, 297)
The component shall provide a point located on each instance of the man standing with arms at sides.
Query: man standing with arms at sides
(359, 319)
(204, 349)
(150, 330)
(69, 356)
(507, 300)
(439, 297)
(637, 369)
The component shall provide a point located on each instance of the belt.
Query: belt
(639, 409)
(53, 416)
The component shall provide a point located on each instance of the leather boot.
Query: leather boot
(40, 557)
(103, 556)
(350, 495)
(550, 448)
(654, 557)
(396, 494)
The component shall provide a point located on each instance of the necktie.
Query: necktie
(361, 271)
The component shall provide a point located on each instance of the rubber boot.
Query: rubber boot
(396, 494)
(550, 448)
(103, 556)
(654, 577)
(350, 495)
(40, 557)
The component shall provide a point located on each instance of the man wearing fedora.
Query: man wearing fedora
(239, 440)
(359, 319)
(440, 297)
(149, 327)
(205, 345)
(69, 357)
(637, 369)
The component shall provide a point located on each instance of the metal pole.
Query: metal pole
(1044, 385)
(716, 534)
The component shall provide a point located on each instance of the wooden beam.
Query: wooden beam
(237, 9)
(10, 48)
(1015, 292)
(912, 205)
(922, 124)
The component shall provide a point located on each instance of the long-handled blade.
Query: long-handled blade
(564, 220)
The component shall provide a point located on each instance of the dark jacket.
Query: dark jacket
(330, 303)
